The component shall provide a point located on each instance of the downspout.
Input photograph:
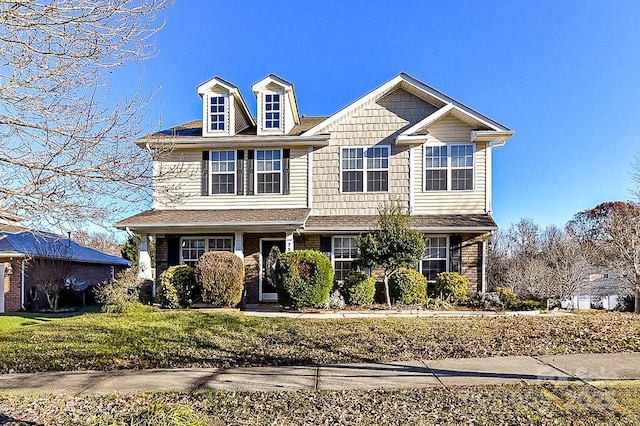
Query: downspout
(22, 285)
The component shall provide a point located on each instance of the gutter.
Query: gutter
(236, 141)
(462, 229)
(213, 225)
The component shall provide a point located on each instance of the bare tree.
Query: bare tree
(567, 266)
(635, 176)
(50, 265)
(102, 241)
(610, 237)
(67, 154)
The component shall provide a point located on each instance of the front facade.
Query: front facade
(234, 182)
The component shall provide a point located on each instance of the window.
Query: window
(272, 111)
(223, 172)
(194, 247)
(345, 252)
(448, 167)
(217, 113)
(269, 171)
(435, 259)
(375, 168)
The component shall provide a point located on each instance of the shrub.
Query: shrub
(220, 277)
(126, 287)
(176, 287)
(408, 287)
(451, 286)
(509, 300)
(335, 301)
(438, 305)
(358, 288)
(304, 278)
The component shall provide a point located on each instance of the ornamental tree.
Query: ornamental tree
(393, 244)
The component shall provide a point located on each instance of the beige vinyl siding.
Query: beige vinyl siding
(376, 123)
(184, 167)
(450, 130)
(241, 121)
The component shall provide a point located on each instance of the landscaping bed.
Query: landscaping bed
(173, 339)
(550, 403)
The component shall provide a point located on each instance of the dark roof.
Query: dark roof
(423, 222)
(215, 217)
(194, 129)
(44, 244)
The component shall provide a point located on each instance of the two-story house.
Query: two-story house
(245, 184)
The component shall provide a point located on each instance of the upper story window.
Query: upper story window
(217, 113)
(269, 171)
(272, 111)
(223, 172)
(354, 169)
(448, 167)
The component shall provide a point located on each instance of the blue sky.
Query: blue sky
(565, 75)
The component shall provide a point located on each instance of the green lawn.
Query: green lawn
(166, 339)
(550, 403)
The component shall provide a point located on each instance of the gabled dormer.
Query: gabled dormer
(224, 111)
(277, 106)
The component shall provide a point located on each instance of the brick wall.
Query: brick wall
(12, 285)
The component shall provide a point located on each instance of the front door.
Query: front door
(267, 286)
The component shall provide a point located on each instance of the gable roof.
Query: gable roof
(47, 245)
(285, 85)
(231, 88)
(417, 88)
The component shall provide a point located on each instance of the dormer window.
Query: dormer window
(217, 113)
(272, 117)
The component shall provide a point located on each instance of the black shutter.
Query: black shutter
(455, 253)
(240, 171)
(286, 153)
(173, 251)
(250, 155)
(204, 179)
(325, 245)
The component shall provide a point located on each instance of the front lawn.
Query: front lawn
(168, 339)
(549, 403)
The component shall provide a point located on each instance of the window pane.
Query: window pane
(377, 181)
(462, 179)
(352, 181)
(436, 180)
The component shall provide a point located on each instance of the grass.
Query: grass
(549, 403)
(171, 339)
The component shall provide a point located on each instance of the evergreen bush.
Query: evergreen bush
(303, 278)
(358, 288)
(451, 286)
(175, 287)
(408, 287)
(220, 278)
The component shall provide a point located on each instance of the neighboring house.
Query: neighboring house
(246, 184)
(23, 250)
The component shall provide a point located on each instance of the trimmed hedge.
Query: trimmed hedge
(358, 288)
(303, 278)
(451, 286)
(220, 277)
(175, 287)
(408, 287)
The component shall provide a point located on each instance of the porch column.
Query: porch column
(238, 245)
(144, 259)
(288, 242)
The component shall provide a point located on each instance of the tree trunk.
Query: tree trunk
(386, 289)
(637, 297)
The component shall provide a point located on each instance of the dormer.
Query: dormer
(277, 106)
(224, 111)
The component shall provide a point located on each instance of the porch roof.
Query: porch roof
(161, 221)
(425, 223)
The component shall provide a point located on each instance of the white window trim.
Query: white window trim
(333, 252)
(263, 118)
(364, 169)
(447, 258)
(206, 242)
(226, 113)
(235, 173)
(256, 172)
(449, 167)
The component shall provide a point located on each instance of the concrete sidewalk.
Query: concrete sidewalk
(445, 373)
